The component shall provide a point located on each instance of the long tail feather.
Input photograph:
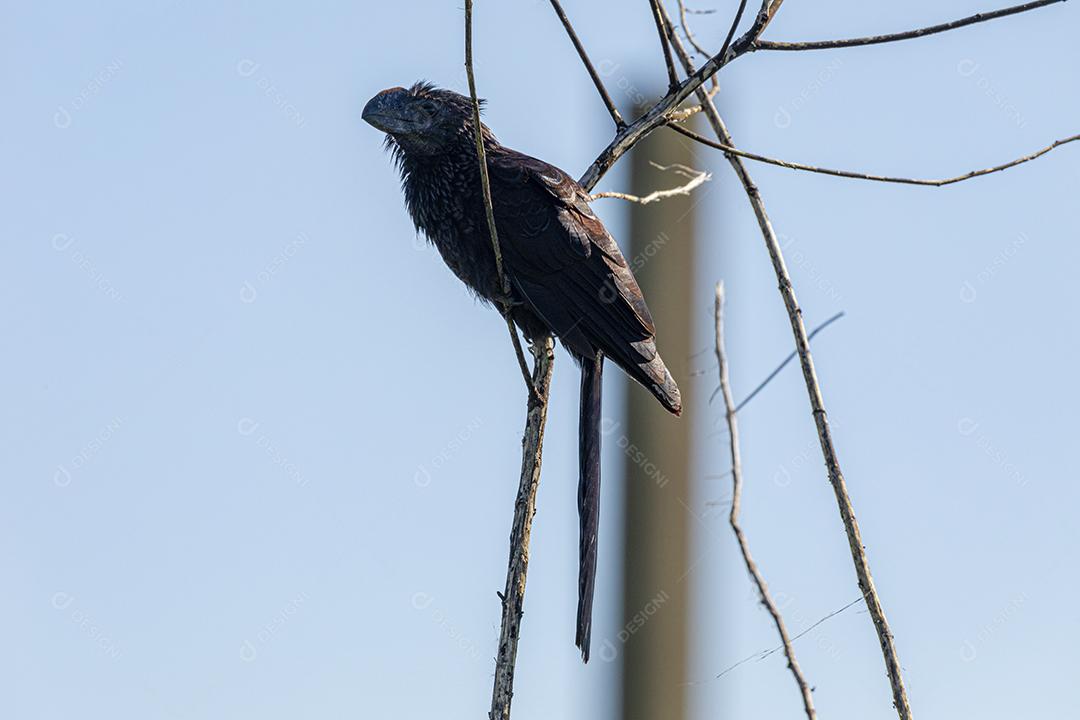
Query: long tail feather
(588, 495)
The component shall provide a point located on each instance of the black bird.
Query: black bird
(566, 273)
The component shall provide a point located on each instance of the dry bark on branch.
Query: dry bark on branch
(513, 597)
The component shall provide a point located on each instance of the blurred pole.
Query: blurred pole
(653, 639)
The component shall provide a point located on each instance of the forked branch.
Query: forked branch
(659, 114)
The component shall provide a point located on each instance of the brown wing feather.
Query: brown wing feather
(567, 266)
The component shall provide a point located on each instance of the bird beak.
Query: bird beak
(388, 111)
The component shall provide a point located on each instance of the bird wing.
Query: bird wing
(560, 257)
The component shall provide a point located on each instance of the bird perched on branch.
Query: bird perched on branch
(565, 272)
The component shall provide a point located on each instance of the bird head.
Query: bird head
(422, 118)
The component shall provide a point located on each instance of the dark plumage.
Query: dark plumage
(566, 273)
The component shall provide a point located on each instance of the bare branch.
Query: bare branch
(612, 110)
(865, 176)
(923, 32)
(485, 185)
(673, 77)
(536, 415)
(733, 518)
(697, 178)
(657, 115)
(735, 26)
(817, 405)
(513, 597)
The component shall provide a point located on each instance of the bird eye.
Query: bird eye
(430, 107)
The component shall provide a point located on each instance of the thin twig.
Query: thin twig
(788, 359)
(817, 405)
(922, 32)
(733, 28)
(687, 112)
(612, 110)
(772, 651)
(776, 371)
(485, 186)
(866, 176)
(733, 518)
(697, 178)
(673, 77)
(513, 597)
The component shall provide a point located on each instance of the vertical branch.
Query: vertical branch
(543, 349)
(817, 404)
(485, 186)
(673, 77)
(733, 518)
(604, 96)
(731, 31)
(513, 597)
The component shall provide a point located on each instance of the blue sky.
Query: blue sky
(260, 446)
